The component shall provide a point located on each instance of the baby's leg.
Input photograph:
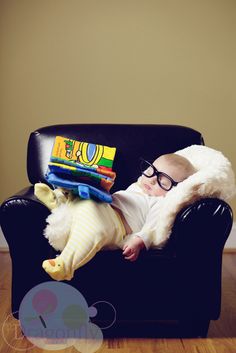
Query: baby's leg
(94, 226)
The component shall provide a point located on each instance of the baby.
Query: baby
(128, 222)
(156, 180)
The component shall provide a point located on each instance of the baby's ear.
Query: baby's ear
(45, 195)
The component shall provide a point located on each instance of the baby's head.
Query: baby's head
(164, 173)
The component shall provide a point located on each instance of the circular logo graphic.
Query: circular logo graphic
(54, 315)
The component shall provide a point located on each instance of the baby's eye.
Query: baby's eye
(165, 182)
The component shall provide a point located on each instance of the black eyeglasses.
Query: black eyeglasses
(164, 180)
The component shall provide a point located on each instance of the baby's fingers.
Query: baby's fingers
(125, 246)
(132, 257)
(127, 251)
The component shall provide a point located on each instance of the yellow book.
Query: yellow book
(72, 152)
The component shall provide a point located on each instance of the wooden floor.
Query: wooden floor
(221, 337)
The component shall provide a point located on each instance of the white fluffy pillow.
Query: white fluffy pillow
(214, 178)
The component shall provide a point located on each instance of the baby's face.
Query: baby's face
(150, 185)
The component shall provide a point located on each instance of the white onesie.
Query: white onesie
(139, 210)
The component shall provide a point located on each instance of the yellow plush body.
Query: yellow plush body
(84, 227)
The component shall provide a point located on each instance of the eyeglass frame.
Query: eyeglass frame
(157, 174)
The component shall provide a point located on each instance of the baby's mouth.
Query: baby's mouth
(147, 187)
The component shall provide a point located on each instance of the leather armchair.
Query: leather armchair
(178, 287)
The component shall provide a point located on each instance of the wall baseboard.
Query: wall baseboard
(229, 250)
(231, 241)
(3, 243)
(4, 249)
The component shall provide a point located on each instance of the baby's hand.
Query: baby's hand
(132, 248)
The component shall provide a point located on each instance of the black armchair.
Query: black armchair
(179, 285)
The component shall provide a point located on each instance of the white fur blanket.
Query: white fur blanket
(214, 178)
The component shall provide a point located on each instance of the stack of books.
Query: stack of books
(82, 167)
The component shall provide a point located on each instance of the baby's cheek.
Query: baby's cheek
(140, 182)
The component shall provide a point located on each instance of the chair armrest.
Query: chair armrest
(22, 216)
(23, 219)
(199, 233)
(206, 222)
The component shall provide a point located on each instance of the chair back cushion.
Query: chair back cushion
(132, 142)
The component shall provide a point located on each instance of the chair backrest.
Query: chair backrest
(132, 142)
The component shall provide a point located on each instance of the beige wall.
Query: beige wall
(115, 61)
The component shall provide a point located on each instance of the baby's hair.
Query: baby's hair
(179, 162)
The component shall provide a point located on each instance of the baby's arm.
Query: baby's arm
(132, 248)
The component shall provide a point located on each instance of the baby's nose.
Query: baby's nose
(153, 180)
